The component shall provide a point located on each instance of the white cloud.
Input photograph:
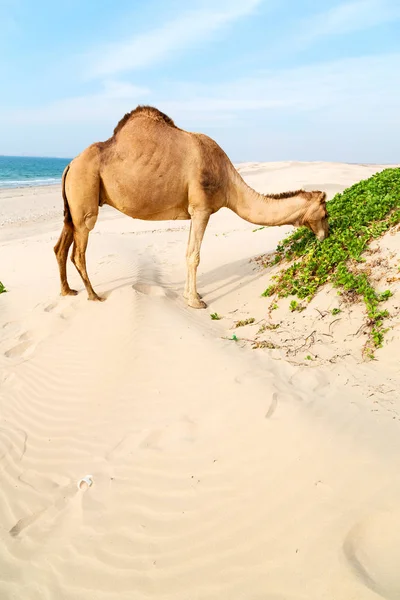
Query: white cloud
(110, 103)
(349, 17)
(341, 110)
(174, 36)
(360, 88)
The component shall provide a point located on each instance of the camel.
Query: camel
(150, 169)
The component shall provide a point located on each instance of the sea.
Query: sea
(29, 171)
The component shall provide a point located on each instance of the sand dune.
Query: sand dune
(218, 472)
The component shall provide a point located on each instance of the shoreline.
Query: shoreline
(237, 165)
(29, 186)
(29, 205)
(25, 188)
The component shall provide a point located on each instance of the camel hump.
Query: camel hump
(144, 111)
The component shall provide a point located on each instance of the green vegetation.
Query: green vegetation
(268, 326)
(263, 344)
(215, 317)
(385, 295)
(295, 306)
(2, 288)
(245, 322)
(358, 215)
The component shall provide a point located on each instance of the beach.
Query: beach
(217, 472)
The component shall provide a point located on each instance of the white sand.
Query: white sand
(219, 472)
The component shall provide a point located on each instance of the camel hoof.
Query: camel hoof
(196, 303)
(69, 292)
(96, 298)
(186, 296)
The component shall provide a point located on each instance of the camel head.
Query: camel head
(316, 216)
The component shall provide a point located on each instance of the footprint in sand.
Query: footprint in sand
(40, 483)
(124, 447)
(311, 380)
(9, 324)
(273, 406)
(151, 441)
(67, 497)
(20, 348)
(372, 549)
(150, 290)
(171, 435)
(274, 399)
(50, 307)
(154, 290)
(63, 309)
(10, 331)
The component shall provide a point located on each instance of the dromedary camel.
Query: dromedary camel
(151, 169)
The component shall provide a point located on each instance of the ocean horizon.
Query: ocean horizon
(30, 171)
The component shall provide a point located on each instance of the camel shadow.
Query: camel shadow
(148, 281)
(216, 283)
(228, 278)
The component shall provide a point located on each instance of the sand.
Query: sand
(219, 472)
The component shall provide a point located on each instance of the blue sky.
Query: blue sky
(267, 79)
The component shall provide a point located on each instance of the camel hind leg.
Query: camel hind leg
(82, 191)
(61, 251)
(81, 237)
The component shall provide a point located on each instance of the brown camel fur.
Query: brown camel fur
(152, 170)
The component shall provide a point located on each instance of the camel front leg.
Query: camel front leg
(186, 291)
(81, 237)
(197, 229)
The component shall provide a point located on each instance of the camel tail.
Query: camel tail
(67, 212)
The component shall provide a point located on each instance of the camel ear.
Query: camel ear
(323, 198)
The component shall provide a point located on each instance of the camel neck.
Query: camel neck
(263, 209)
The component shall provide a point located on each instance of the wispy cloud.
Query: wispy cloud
(349, 17)
(358, 88)
(340, 110)
(109, 103)
(159, 44)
